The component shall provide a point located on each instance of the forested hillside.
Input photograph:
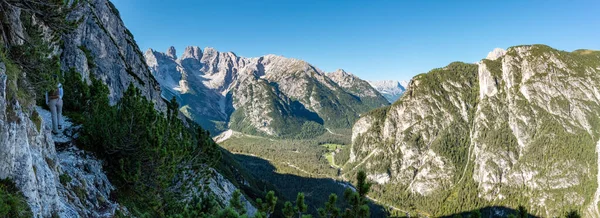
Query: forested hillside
(518, 128)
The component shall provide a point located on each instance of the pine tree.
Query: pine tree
(288, 210)
(573, 214)
(358, 200)
(330, 210)
(228, 212)
(300, 207)
(236, 203)
(475, 214)
(522, 212)
(267, 207)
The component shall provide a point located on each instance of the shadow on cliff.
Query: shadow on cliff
(316, 190)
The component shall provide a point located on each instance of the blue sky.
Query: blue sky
(372, 39)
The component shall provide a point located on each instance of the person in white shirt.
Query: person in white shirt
(55, 102)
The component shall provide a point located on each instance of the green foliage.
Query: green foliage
(236, 203)
(288, 210)
(310, 129)
(475, 214)
(227, 213)
(76, 95)
(267, 207)
(522, 212)
(14, 78)
(65, 179)
(36, 60)
(88, 56)
(204, 206)
(12, 202)
(358, 199)
(572, 214)
(308, 155)
(301, 206)
(146, 152)
(330, 210)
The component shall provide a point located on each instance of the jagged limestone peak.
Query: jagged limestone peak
(495, 54)
(171, 52)
(193, 52)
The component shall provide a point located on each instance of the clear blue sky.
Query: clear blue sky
(372, 39)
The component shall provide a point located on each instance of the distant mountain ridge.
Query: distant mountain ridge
(392, 90)
(269, 95)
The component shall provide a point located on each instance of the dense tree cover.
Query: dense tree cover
(357, 209)
(147, 153)
(12, 202)
(307, 155)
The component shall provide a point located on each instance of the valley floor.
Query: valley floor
(297, 166)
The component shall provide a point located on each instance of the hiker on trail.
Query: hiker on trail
(55, 102)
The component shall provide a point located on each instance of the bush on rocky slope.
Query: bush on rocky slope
(12, 202)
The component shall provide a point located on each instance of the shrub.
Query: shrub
(12, 202)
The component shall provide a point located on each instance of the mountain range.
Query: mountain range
(269, 95)
(518, 128)
(390, 89)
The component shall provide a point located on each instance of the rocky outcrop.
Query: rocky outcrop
(353, 85)
(520, 125)
(55, 177)
(28, 156)
(392, 90)
(495, 54)
(269, 95)
(102, 46)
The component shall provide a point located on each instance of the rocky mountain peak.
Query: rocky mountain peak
(404, 83)
(193, 52)
(341, 71)
(215, 86)
(339, 75)
(495, 54)
(390, 89)
(210, 51)
(171, 52)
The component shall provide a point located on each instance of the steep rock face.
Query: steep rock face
(519, 126)
(25, 154)
(28, 157)
(102, 46)
(546, 103)
(392, 90)
(269, 95)
(406, 134)
(68, 182)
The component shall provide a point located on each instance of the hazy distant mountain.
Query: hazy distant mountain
(390, 89)
(269, 95)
